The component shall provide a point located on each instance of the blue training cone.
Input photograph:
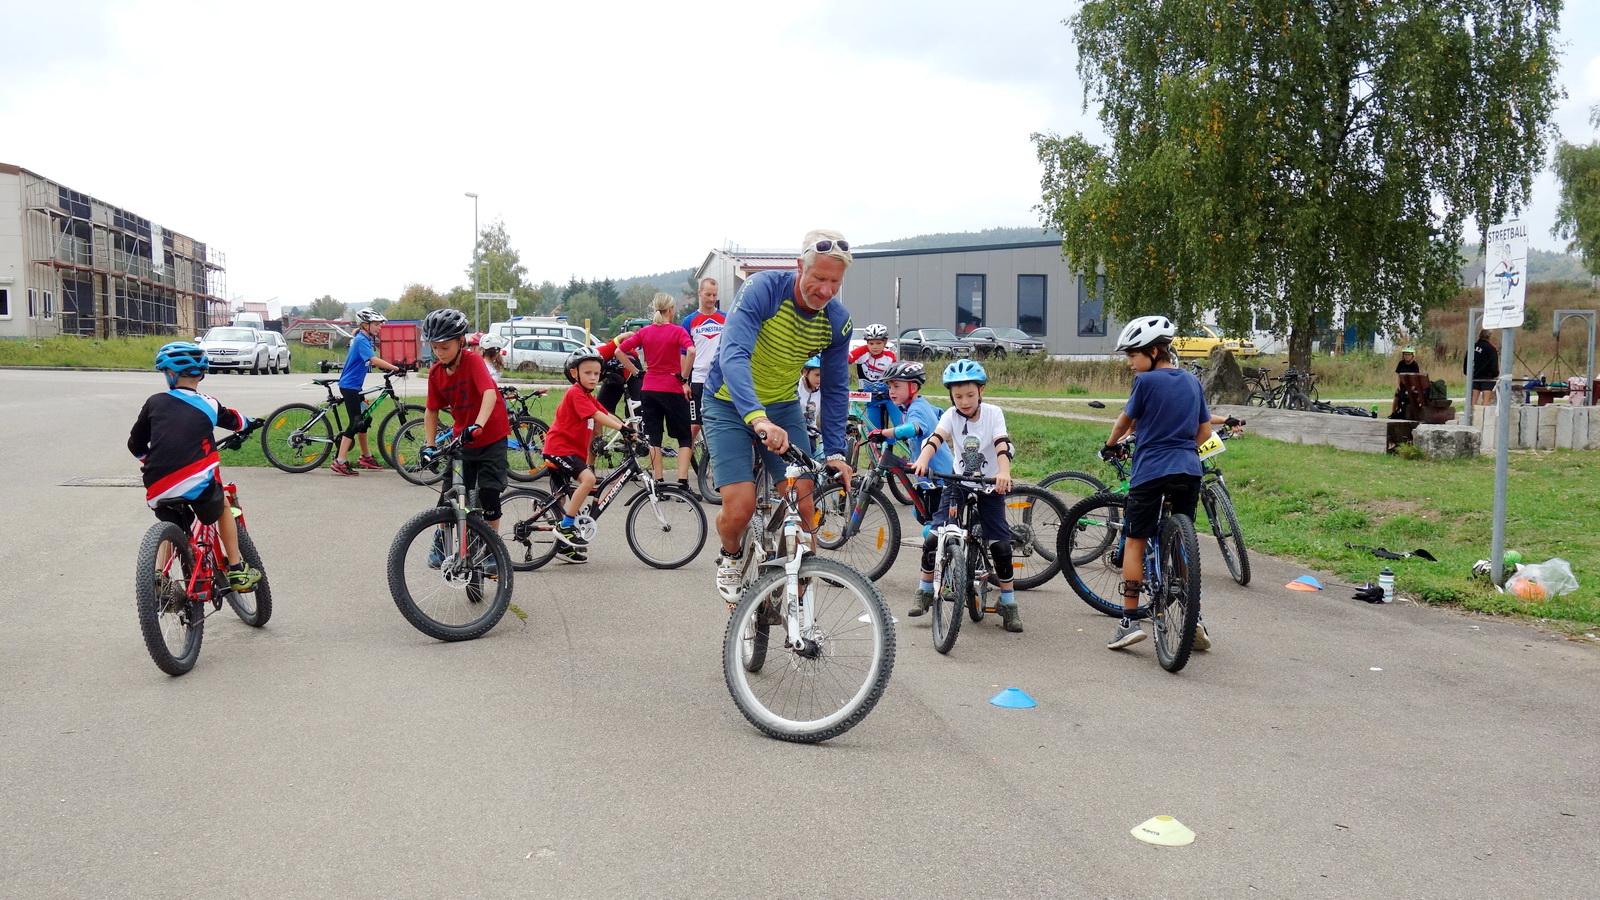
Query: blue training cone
(1310, 580)
(1013, 698)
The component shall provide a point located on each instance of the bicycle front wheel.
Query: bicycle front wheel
(875, 543)
(525, 450)
(450, 589)
(666, 531)
(173, 626)
(1175, 609)
(952, 592)
(828, 682)
(407, 455)
(1035, 517)
(254, 608)
(1090, 548)
(1225, 525)
(390, 426)
(293, 442)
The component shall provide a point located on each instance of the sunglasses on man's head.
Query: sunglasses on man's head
(825, 246)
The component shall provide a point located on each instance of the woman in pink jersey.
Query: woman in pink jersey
(668, 360)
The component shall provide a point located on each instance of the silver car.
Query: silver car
(231, 348)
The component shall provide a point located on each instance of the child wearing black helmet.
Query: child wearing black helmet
(182, 472)
(568, 442)
(1168, 408)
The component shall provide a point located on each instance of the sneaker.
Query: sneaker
(370, 462)
(922, 601)
(1128, 633)
(436, 552)
(343, 468)
(573, 555)
(243, 579)
(729, 585)
(693, 494)
(568, 536)
(1011, 617)
(1202, 640)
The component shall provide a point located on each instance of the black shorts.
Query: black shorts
(486, 470)
(565, 469)
(609, 394)
(1144, 502)
(669, 409)
(1484, 384)
(182, 513)
(352, 413)
(694, 402)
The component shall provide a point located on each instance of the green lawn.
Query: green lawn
(1304, 502)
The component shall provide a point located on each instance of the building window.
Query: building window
(33, 303)
(969, 303)
(49, 305)
(1030, 304)
(1091, 312)
(5, 303)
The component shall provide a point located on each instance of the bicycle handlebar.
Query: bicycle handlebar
(970, 479)
(236, 440)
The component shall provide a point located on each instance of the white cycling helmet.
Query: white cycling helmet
(875, 333)
(492, 343)
(370, 315)
(1144, 331)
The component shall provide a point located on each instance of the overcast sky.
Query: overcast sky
(326, 147)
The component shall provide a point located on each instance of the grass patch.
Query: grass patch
(124, 353)
(1306, 501)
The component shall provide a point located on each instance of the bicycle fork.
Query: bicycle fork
(799, 613)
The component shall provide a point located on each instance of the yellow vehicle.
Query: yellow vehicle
(1198, 341)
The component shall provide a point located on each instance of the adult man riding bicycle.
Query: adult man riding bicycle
(778, 320)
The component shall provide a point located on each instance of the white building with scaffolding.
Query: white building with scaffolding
(72, 264)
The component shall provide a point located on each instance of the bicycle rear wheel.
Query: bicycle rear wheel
(407, 459)
(952, 592)
(1035, 517)
(1175, 608)
(173, 626)
(390, 426)
(293, 442)
(528, 520)
(254, 608)
(1090, 551)
(875, 544)
(448, 594)
(702, 470)
(1071, 486)
(1225, 525)
(525, 450)
(668, 531)
(830, 682)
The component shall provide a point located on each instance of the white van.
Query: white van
(540, 326)
(249, 320)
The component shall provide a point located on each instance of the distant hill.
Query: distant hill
(966, 239)
(1543, 265)
(674, 282)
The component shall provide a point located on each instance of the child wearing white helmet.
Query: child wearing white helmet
(1168, 408)
(872, 360)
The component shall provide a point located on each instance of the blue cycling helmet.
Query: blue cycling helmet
(181, 358)
(814, 362)
(964, 370)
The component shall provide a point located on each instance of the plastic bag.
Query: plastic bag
(1551, 578)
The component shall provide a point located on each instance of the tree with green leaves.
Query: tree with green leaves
(583, 306)
(1578, 216)
(325, 307)
(416, 301)
(575, 286)
(635, 301)
(1295, 161)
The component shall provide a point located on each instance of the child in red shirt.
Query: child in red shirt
(461, 383)
(567, 444)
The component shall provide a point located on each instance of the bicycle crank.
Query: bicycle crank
(585, 526)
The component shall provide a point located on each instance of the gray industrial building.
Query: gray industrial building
(1024, 285)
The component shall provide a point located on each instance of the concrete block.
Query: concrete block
(1447, 441)
(1545, 437)
(1566, 422)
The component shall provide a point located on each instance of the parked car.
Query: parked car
(539, 352)
(230, 348)
(1198, 341)
(997, 342)
(931, 343)
(542, 326)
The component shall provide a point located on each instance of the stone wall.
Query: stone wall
(1553, 427)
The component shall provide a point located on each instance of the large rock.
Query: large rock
(1447, 441)
(1222, 380)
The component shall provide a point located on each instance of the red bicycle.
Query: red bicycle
(179, 574)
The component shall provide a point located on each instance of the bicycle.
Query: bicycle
(1092, 552)
(665, 527)
(455, 584)
(1295, 390)
(299, 436)
(525, 448)
(179, 573)
(962, 563)
(838, 643)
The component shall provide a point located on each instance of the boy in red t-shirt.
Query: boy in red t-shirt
(461, 383)
(567, 444)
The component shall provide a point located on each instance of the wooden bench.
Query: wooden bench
(1345, 432)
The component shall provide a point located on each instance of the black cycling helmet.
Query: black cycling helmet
(577, 356)
(906, 370)
(444, 324)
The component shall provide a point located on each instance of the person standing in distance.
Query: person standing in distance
(778, 320)
(369, 324)
(705, 328)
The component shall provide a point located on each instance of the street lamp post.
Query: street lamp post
(476, 324)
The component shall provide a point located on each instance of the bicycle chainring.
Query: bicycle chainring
(585, 526)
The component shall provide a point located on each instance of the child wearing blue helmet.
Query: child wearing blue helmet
(182, 472)
(810, 390)
(976, 434)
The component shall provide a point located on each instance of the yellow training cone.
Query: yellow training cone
(1164, 831)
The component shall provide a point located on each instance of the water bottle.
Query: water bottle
(1386, 581)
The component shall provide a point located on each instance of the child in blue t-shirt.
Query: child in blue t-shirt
(918, 419)
(352, 377)
(1168, 408)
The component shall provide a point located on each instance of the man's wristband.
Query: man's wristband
(840, 457)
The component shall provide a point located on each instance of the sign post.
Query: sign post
(1505, 293)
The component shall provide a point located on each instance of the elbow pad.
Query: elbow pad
(907, 430)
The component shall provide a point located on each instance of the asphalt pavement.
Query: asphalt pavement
(1324, 747)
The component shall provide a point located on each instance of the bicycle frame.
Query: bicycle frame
(962, 523)
(210, 559)
(885, 465)
(788, 545)
(333, 408)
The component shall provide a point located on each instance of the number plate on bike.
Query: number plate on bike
(1212, 447)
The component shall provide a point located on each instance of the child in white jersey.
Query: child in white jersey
(976, 433)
